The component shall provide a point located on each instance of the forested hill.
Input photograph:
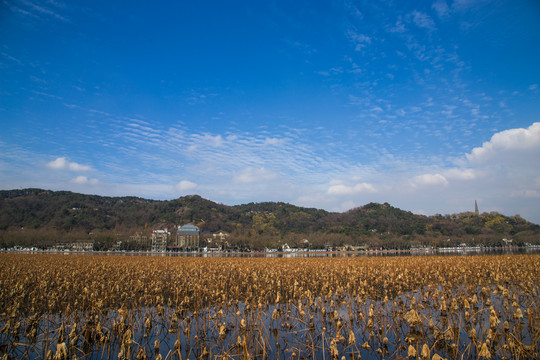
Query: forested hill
(45, 214)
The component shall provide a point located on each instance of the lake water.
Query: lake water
(300, 254)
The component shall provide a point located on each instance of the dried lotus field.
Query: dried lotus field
(113, 307)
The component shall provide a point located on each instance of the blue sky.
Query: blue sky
(427, 105)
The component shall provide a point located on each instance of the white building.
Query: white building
(160, 238)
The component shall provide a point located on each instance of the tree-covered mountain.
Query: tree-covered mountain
(41, 217)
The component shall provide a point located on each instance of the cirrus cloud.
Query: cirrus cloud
(253, 175)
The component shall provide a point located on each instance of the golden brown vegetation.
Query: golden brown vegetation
(56, 306)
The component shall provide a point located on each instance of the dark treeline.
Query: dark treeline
(42, 218)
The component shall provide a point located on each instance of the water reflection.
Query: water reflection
(309, 328)
(479, 250)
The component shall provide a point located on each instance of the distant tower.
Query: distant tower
(476, 208)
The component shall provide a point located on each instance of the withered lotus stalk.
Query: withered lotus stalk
(484, 352)
(413, 318)
(426, 353)
(325, 298)
(411, 352)
(352, 338)
(61, 352)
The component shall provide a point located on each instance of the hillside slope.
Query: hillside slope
(36, 215)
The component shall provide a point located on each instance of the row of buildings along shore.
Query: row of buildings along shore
(186, 238)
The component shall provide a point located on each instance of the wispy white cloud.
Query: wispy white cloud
(422, 20)
(10, 58)
(398, 27)
(526, 194)
(353, 9)
(461, 5)
(301, 47)
(186, 185)
(82, 180)
(41, 93)
(198, 96)
(274, 141)
(429, 180)
(40, 9)
(460, 174)
(253, 175)
(358, 39)
(503, 175)
(342, 189)
(441, 8)
(249, 167)
(62, 163)
(212, 140)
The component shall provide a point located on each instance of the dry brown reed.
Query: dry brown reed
(66, 307)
